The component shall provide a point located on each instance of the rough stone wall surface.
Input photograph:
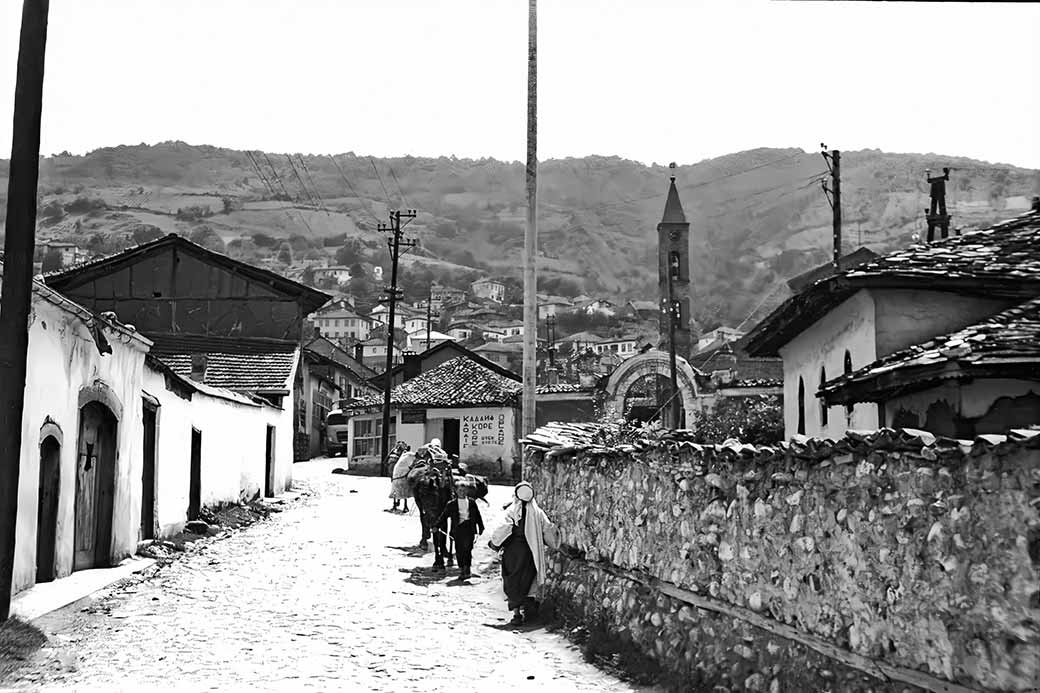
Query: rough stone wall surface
(912, 560)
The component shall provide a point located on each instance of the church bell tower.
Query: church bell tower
(673, 266)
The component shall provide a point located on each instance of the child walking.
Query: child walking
(466, 523)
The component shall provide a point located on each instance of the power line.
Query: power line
(398, 183)
(346, 180)
(278, 180)
(385, 193)
(299, 180)
(270, 187)
(306, 171)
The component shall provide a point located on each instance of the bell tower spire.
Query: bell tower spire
(673, 283)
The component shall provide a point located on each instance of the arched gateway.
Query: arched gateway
(637, 376)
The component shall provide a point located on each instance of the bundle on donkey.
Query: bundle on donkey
(434, 487)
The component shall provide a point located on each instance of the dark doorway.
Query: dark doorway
(47, 513)
(195, 480)
(95, 486)
(269, 469)
(451, 436)
(148, 473)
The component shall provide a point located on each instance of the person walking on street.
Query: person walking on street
(466, 524)
(399, 488)
(522, 540)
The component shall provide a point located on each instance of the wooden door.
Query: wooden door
(451, 436)
(148, 474)
(269, 466)
(47, 512)
(95, 486)
(195, 479)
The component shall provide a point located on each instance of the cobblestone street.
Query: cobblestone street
(328, 595)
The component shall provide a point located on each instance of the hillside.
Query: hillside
(757, 217)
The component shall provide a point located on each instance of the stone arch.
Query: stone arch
(51, 429)
(98, 391)
(652, 362)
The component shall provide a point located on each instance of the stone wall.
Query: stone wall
(897, 552)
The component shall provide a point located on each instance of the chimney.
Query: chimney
(359, 351)
(198, 367)
(1036, 203)
(412, 365)
(552, 376)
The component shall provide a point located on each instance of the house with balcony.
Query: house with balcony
(491, 289)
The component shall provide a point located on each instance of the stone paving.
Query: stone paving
(330, 594)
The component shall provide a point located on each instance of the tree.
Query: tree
(205, 236)
(308, 276)
(758, 420)
(143, 233)
(52, 261)
(349, 253)
(285, 255)
(262, 240)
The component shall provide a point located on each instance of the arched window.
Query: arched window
(823, 405)
(801, 406)
(848, 369)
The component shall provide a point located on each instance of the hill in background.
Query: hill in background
(757, 217)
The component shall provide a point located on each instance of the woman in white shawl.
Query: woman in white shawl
(522, 539)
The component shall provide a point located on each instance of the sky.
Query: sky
(649, 80)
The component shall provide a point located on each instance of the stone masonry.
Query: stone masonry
(901, 549)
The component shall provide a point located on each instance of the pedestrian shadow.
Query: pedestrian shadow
(423, 576)
(523, 628)
(411, 551)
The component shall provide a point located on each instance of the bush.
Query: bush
(193, 212)
(758, 420)
(83, 205)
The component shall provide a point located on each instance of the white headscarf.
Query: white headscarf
(538, 530)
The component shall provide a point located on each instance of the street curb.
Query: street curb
(43, 598)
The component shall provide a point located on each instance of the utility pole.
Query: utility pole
(833, 160)
(429, 314)
(550, 337)
(18, 271)
(531, 231)
(395, 243)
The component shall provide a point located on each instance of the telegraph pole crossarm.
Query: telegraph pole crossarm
(394, 243)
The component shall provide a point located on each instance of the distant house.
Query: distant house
(491, 289)
(342, 323)
(506, 355)
(471, 408)
(332, 375)
(716, 338)
(402, 312)
(600, 306)
(335, 273)
(372, 352)
(460, 331)
(552, 305)
(414, 323)
(417, 340)
(728, 371)
(943, 337)
(508, 328)
(70, 252)
(413, 364)
(640, 310)
(445, 296)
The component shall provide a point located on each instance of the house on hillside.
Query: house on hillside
(425, 339)
(599, 306)
(716, 338)
(335, 273)
(491, 289)
(507, 355)
(402, 313)
(342, 323)
(472, 409)
(640, 310)
(70, 252)
(552, 305)
(939, 337)
(222, 324)
(730, 372)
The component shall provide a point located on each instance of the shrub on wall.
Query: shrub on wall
(758, 420)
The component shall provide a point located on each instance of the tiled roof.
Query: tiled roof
(1004, 345)
(853, 259)
(460, 382)
(999, 261)
(249, 372)
(648, 306)
(750, 372)
(561, 388)
(500, 347)
(595, 438)
(326, 348)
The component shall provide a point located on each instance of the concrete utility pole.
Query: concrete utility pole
(395, 243)
(531, 231)
(18, 272)
(833, 160)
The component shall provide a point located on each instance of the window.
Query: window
(823, 405)
(801, 406)
(674, 265)
(367, 434)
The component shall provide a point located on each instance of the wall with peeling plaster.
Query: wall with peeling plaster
(928, 564)
(64, 359)
(234, 446)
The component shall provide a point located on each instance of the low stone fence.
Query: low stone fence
(884, 557)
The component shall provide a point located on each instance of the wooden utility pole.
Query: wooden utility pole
(395, 243)
(833, 160)
(531, 231)
(429, 314)
(18, 273)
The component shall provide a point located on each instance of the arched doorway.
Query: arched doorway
(95, 485)
(47, 509)
(636, 382)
